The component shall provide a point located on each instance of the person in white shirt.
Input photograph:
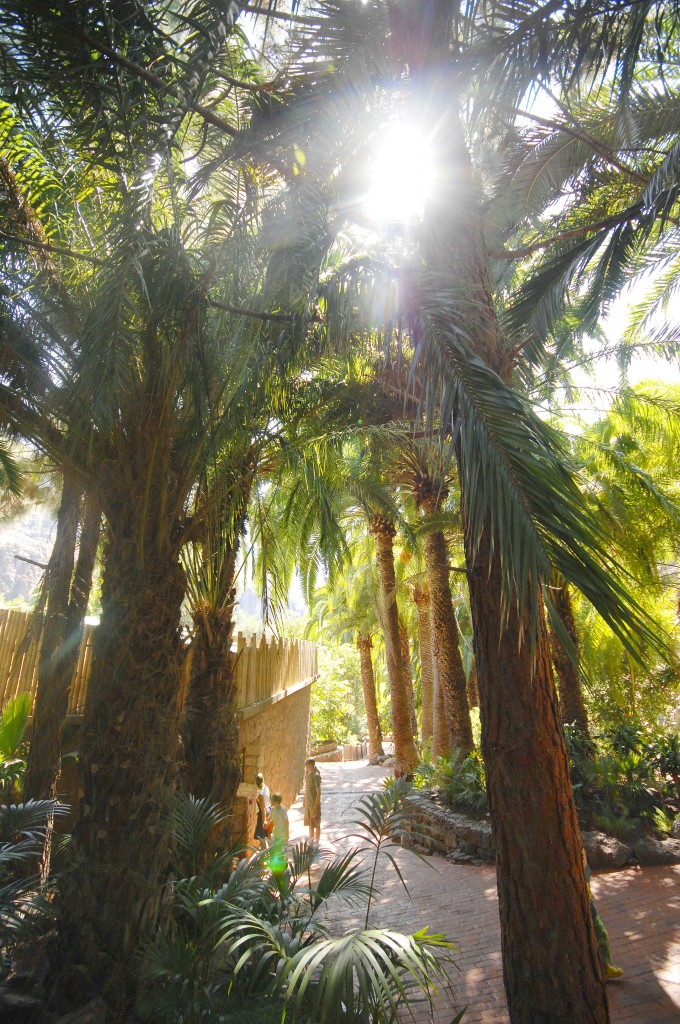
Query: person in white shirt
(279, 816)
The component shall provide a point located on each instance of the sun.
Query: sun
(401, 174)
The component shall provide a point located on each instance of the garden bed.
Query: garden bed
(437, 829)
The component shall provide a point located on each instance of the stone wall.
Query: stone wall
(437, 829)
(275, 741)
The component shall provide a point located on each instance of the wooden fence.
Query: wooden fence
(264, 667)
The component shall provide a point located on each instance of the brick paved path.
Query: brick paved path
(640, 908)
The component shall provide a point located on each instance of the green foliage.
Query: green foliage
(13, 723)
(460, 779)
(624, 783)
(337, 697)
(25, 908)
(259, 940)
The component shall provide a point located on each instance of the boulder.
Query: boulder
(675, 828)
(605, 851)
(649, 851)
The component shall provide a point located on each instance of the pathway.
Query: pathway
(639, 906)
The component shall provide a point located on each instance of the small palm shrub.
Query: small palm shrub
(258, 946)
(25, 907)
(460, 780)
(625, 784)
(13, 721)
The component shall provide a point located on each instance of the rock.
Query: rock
(458, 857)
(675, 828)
(649, 851)
(605, 851)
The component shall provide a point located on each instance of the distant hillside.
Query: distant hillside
(30, 535)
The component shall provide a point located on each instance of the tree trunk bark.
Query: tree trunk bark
(406, 661)
(445, 642)
(109, 890)
(472, 690)
(422, 601)
(441, 741)
(405, 753)
(551, 967)
(67, 594)
(572, 705)
(375, 745)
(211, 734)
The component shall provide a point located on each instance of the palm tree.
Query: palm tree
(523, 516)
(383, 532)
(375, 740)
(141, 395)
(572, 704)
(421, 598)
(429, 492)
(64, 598)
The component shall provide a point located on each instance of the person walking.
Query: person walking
(312, 799)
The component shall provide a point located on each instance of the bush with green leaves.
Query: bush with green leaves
(25, 907)
(624, 783)
(460, 780)
(337, 707)
(259, 945)
(13, 722)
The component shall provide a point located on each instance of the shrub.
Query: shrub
(256, 946)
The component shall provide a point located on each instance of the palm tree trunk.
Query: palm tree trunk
(445, 640)
(67, 594)
(550, 961)
(375, 745)
(572, 705)
(441, 740)
(128, 754)
(406, 660)
(544, 908)
(211, 734)
(422, 601)
(406, 755)
(472, 690)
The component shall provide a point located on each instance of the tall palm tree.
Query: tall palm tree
(383, 532)
(172, 320)
(523, 516)
(421, 598)
(429, 492)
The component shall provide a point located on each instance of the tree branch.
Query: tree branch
(154, 80)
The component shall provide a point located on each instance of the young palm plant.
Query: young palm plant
(265, 939)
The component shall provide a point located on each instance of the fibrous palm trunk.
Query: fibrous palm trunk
(375, 745)
(445, 640)
(572, 705)
(406, 661)
(550, 961)
(211, 734)
(109, 891)
(421, 598)
(472, 691)
(406, 755)
(67, 595)
(441, 741)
